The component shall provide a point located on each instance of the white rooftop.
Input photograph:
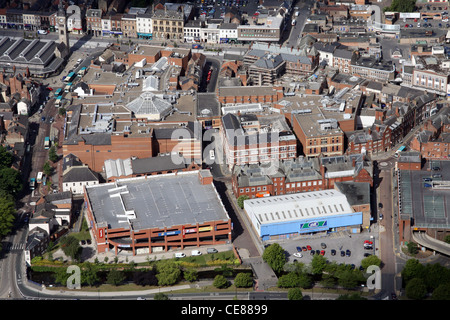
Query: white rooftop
(296, 206)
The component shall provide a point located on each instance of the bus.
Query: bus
(58, 92)
(397, 153)
(32, 183)
(69, 77)
(82, 71)
(47, 143)
(39, 177)
(68, 86)
(58, 101)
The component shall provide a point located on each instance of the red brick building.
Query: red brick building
(299, 175)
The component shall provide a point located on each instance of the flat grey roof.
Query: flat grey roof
(156, 202)
(430, 207)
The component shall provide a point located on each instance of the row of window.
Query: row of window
(288, 186)
(265, 157)
(264, 150)
(323, 149)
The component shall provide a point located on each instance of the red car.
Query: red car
(322, 252)
(406, 25)
(308, 247)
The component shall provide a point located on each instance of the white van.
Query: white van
(180, 255)
(196, 253)
(42, 31)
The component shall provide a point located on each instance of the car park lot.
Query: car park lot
(334, 242)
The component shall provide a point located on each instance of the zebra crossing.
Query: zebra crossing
(10, 247)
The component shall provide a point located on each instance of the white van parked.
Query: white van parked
(180, 255)
(196, 253)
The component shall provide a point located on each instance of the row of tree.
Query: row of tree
(11, 185)
(422, 281)
(161, 273)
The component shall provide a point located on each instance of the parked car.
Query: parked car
(342, 253)
(299, 249)
(323, 245)
(298, 255)
(348, 253)
(308, 247)
(322, 253)
(304, 248)
(196, 253)
(333, 252)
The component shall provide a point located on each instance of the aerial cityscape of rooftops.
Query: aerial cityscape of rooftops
(225, 149)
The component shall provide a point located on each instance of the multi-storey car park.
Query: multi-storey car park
(157, 213)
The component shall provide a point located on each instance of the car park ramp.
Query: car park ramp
(426, 241)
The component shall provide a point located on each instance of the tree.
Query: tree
(447, 239)
(348, 279)
(89, 274)
(240, 201)
(220, 282)
(353, 296)
(115, 277)
(416, 289)
(6, 158)
(243, 280)
(168, 272)
(434, 275)
(47, 169)
(10, 181)
(305, 280)
(318, 264)
(145, 278)
(71, 247)
(402, 6)
(62, 111)
(412, 247)
(290, 280)
(191, 274)
(295, 294)
(275, 257)
(52, 155)
(442, 292)
(412, 269)
(161, 296)
(370, 261)
(7, 216)
(328, 281)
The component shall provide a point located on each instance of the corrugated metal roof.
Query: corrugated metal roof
(305, 205)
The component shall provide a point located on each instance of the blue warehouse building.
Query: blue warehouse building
(300, 213)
